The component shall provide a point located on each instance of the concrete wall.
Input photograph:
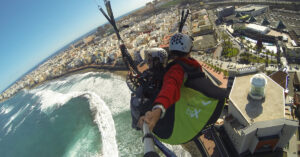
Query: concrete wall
(248, 141)
(236, 114)
(234, 136)
(253, 144)
(269, 131)
(287, 132)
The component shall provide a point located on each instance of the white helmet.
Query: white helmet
(181, 42)
(156, 53)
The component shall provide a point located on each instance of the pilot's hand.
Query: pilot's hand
(151, 118)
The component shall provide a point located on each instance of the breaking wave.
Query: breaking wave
(97, 88)
(51, 100)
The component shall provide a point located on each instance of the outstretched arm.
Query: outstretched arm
(169, 94)
(170, 91)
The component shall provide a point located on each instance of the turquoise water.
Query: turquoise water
(80, 115)
(34, 133)
(59, 118)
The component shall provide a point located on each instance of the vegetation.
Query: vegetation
(218, 69)
(228, 50)
(278, 56)
(259, 45)
(249, 58)
(270, 53)
(239, 27)
(225, 72)
(242, 39)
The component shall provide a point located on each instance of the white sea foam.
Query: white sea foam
(112, 90)
(61, 82)
(6, 109)
(14, 116)
(51, 100)
(8, 130)
(106, 125)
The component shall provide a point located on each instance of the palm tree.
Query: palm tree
(267, 60)
(242, 39)
(248, 42)
(278, 56)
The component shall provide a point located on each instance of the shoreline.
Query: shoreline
(120, 71)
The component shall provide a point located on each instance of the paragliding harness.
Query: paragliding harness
(195, 79)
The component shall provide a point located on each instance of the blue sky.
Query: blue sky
(32, 30)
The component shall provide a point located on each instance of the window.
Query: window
(267, 143)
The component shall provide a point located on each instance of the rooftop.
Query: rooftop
(271, 107)
(249, 8)
(280, 78)
(252, 19)
(257, 27)
(265, 22)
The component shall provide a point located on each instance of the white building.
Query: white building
(253, 10)
(258, 28)
(258, 125)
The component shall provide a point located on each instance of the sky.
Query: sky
(32, 30)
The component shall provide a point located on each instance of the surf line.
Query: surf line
(102, 115)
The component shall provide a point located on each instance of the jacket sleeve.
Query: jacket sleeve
(170, 91)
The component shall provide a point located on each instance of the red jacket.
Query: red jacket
(173, 79)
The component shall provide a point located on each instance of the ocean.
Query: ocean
(80, 115)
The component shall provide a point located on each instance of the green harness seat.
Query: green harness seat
(192, 112)
(200, 104)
